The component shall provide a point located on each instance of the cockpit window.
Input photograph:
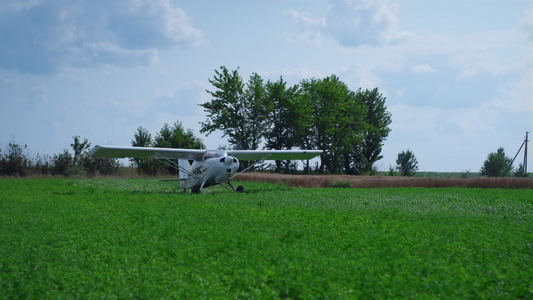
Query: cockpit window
(212, 154)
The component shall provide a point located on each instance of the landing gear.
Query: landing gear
(240, 188)
(195, 189)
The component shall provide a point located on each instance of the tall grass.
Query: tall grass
(311, 181)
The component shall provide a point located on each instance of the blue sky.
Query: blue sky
(457, 75)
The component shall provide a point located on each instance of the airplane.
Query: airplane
(208, 167)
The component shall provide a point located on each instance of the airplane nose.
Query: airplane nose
(228, 160)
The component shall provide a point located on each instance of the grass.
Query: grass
(65, 238)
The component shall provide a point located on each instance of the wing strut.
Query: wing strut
(259, 161)
(164, 160)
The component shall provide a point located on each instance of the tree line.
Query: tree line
(17, 161)
(349, 126)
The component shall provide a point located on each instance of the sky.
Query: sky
(457, 75)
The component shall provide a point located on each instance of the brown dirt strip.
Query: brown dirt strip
(313, 181)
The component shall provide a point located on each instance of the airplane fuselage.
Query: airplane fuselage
(213, 168)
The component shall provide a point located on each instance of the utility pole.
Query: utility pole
(525, 154)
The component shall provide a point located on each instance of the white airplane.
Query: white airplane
(208, 168)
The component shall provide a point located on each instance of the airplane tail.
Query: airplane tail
(185, 168)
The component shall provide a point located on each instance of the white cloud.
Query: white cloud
(473, 64)
(423, 69)
(371, 22)
(42, 37)
(310, 29)
(352, 23)
(359, 76)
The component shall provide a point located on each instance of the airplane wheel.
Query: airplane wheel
(240, 189)
(195, 190)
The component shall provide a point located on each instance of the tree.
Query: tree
(79, 148)
(231, 111)
(143, 138)
(256, 107)
(315, 114)
(283, 119)
(336, 118)
(177, 137)
(406, 163)
(82, 162)
(63, 163)
(16, 161)
(520, 171)
(375, 129)
(312, 135)
(496, 164)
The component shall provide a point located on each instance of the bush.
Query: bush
(15, 162)
(406, 162)
(520, 171)
(100, 166)
(392, 171)
(63, 164)
(496, 164)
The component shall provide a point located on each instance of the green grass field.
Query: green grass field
(111, 238)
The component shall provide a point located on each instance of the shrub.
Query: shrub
(496, 164)
(15, 162)
(520, 171)
(63, 163)
(406, 162)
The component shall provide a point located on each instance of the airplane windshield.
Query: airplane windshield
(213, 154)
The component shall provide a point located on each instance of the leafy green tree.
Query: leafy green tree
(143, 138)
(336, 118)
(320, 134)
(256, 108)
(375, 130)
(310, 137)
(79, 149)
(310, 133)
(496, 164)
(520, 171)
(316, 114)
(226, 111)
(302, 111)
(283, 119)
(177, 137)
(353, 112)
(406, 163)
(62, 163)
(340, 110)
(16, 161)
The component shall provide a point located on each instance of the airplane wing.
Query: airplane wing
(274, 154)
(146, 152)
